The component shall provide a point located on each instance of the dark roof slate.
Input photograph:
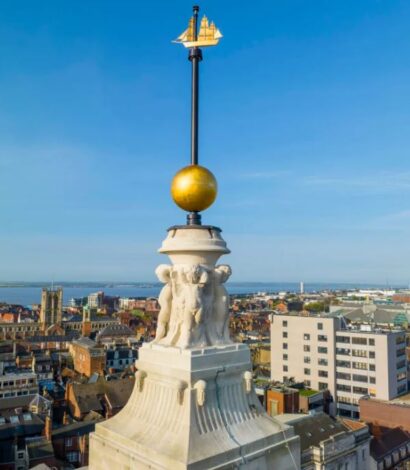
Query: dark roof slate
(387, 442)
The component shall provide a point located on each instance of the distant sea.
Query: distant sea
(28, 295)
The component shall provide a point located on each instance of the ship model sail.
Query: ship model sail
(208, 35)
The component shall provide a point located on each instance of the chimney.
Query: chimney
(48, 427)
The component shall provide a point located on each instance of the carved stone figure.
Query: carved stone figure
(163, 273)
(197, 304)
(220, 317)
(194, 306)
(177, 306)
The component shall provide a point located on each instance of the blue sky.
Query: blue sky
(304, 120)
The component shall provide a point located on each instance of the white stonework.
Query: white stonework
(193, 405)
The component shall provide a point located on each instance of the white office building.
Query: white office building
(351, 363)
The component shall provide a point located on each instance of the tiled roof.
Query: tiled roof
(115, 329)
(387, 442)
(78, 428)
(22, 427)
(89, 396)
(314, 429)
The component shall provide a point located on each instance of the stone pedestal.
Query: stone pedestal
(193, 405)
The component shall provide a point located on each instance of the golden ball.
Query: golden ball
(194, 188)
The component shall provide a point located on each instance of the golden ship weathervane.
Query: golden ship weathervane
(208, 35)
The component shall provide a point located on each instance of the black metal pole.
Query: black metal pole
(195, 56)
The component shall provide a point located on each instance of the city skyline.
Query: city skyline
(308, 146)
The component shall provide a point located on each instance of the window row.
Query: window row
(355, 340)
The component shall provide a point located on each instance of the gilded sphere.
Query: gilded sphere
(194, 188)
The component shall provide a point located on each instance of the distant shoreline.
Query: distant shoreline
(150, 285)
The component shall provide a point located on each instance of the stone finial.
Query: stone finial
(200, 388)
(248, 381)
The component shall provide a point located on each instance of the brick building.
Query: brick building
(102, 397)
(88, 356)
(380, 414)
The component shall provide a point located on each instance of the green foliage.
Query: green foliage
(137, 313)
(316, 307)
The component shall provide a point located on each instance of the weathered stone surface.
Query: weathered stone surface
(193, 405)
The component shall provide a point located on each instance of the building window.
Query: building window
(356, 340)
(307, 383)
(401, 376)
(20, 455)
(400, 339)
(306, 348)
(371, 342)
(322, 349)
(343, 351)
(284, 323)
(372, 380)
(72, 456)
(307, 371)
(320, 326)
(323, 373)
(284, 334)
(285, 357)
(285, 345)
(323, 386)
(343, 364)
(359, 365)
(322, 362)
(306, 360)
(343, 376)
(401, 364)
(342, 339)
(359, 378)
(372, 367)
(306, 337)
(321, 337)
(68, 442)
(360, 390)
(285, 368)
(401, 352)
(359, 353)
(344, 388)
(372, 355)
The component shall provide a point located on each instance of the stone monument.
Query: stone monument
(193, 405)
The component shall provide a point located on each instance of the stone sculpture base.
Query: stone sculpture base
(193, 409)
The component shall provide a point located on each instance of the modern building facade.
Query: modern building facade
(350, 363)
(95, 300)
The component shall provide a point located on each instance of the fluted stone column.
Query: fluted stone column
(193, 405)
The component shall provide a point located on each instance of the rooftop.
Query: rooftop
(388, 442)
(313, 429)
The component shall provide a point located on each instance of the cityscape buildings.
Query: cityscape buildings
(195, 378)
(326, 355)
